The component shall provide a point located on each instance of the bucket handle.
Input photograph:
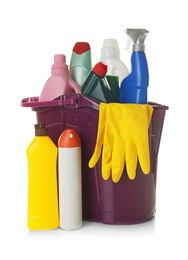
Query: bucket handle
(69, 101)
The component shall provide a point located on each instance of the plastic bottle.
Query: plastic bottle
(110, 54)
(133, 88)
(80, 64)
(96, 86)
(113, 82)
(70, 189)
(42, 181)
(60, 82)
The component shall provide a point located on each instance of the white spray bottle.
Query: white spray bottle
(70, 189)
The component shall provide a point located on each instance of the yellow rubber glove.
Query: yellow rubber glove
(123, 136)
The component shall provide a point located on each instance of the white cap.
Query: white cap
(110, 49)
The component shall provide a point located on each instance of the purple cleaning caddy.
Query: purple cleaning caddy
(125, 202)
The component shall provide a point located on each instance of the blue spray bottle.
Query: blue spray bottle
(133, 88)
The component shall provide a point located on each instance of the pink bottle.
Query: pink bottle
(60, 82)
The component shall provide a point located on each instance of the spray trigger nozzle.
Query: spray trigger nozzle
(128, 43)
(138, 37)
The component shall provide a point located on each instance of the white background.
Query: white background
(31, 32)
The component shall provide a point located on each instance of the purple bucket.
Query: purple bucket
(125, 202)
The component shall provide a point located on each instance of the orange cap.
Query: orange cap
(69, 139)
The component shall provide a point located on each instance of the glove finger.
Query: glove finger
(95, 157)
(118, 160)
(106, 160)
(100, 135)
(144, 155)
(131, 160)
(106, 169)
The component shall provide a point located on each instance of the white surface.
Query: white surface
(31, 33)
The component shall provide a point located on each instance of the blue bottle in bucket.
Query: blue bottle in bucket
(133, 88)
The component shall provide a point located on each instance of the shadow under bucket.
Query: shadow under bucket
(125, 202)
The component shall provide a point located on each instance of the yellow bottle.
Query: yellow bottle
(42, 181)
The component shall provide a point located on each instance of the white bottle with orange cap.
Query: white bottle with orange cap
(70, 186)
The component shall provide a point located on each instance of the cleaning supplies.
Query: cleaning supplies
(113, 82)
(96, 85)
(80, 64)
(70, 188)
(122, 137)
(60, 82)
(42, 181)
(110, 55)
(133, 88)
